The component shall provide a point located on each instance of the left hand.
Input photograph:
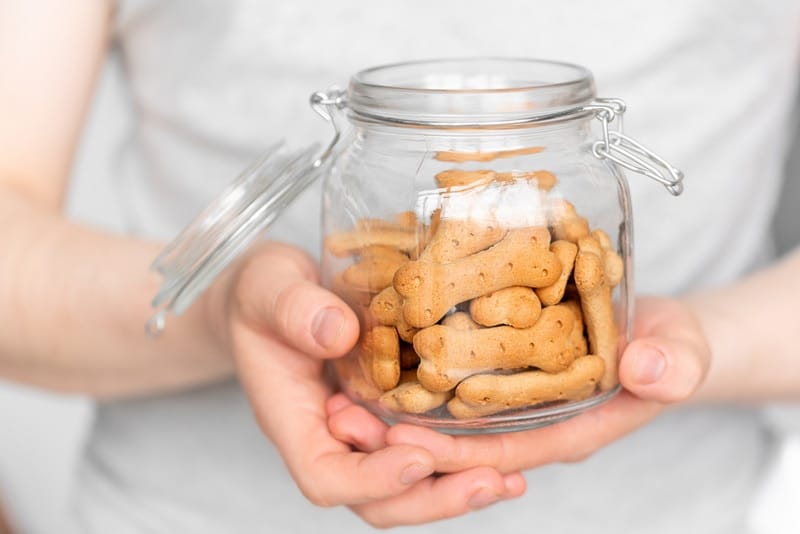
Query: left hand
(665, 363)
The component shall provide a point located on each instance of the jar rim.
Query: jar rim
(476, 91)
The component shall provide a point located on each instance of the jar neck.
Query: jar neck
(387, 137)
(469, 93)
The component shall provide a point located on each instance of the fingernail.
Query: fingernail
(327, 326)
(414, 473)
(482, 498)
(649, 367)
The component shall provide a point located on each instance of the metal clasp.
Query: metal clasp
(628, 153)
(326, 104)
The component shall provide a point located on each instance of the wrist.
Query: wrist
(725, 374)
(216, 312)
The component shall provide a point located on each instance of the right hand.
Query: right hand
(281, 326)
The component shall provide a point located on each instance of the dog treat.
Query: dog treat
(345, 243)
(460, 321)
(356, 298)
(461, 157)
(412, 397)
(462, 178)
(469, 302)
(457, 238)
(613, 266)
(598, 312)
(430, 289)
(375, 269)
(448, 355)
(576, 338)
(567, 224)
(405, 220)
(515, 306)
(426, 233)
(408, 220)
(387, 308)
(566, 252)
(380, 360)
(350, 373)
(486, 394)
(546, 180)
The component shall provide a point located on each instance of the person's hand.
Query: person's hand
(664, 364)
(281, 326)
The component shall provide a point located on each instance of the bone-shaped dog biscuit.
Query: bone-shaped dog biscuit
(457, 238)
(613, 266)
(380, 356)
(486, 394)
(447, 355)
(515, 306)
(350, 374)
(412, 397)
(598, 311)
(567, 224)
(566, 252)
(460, 157)
(430, 289)
(375, 268)
(345, 243)
(460, 321)
(576, 338)
(462, 178)
(387, 308)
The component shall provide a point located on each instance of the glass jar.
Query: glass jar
(476, 220)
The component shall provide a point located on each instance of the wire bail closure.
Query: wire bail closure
(325, 104)
(627, 152)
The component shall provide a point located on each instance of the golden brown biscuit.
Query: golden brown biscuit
(447, 355)
(515, 306)
(486, 394)
(380, 356)
(460, 157)
(565, 252)
(598, 311)
(430, 289)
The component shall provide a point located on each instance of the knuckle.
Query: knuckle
(691, 377)
(575, 447)
(283, 306)
(373, 519)
(315, 495)
(578, 455)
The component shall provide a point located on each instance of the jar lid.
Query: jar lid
(234, 220)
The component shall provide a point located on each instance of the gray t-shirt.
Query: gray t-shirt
(212, 82)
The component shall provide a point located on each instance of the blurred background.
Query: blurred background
(41, 433)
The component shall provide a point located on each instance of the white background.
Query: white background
(41, 433)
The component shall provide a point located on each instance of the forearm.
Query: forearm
(74, 302)
(753, 328)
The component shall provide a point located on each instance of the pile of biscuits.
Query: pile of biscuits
(479, 314)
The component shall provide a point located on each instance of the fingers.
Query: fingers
(569, 441)
(288, 397)
(356, 477)
(443, 497)
(276, 290)
(669, 359)
(353, 424)
(662, 369)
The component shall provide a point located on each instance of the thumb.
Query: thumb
(276, 291)
(669, 359)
